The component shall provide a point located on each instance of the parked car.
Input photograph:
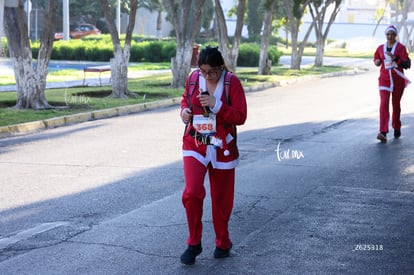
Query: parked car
(79, 31)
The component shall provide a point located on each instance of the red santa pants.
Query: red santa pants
(222, 197)
(384, 110)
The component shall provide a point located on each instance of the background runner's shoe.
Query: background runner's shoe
(382, 137)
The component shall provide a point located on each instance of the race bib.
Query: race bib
(205, 125)
(389, 64)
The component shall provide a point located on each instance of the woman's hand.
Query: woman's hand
(393, 57)
(207, 100)
(377, 62)
(186, 115)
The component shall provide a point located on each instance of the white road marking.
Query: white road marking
(5, 242)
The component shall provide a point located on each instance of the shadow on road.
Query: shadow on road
(311, 197)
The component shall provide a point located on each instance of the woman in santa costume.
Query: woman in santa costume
(212, 105)
(392, 56)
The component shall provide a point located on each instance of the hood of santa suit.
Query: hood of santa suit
(391, 28)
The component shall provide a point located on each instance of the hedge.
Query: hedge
(144, 51)
(249, 55)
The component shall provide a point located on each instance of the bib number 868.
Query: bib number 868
(200, 127)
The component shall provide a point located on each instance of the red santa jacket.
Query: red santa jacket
(389, 76)
(230, 111)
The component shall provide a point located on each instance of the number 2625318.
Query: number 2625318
(368, 247)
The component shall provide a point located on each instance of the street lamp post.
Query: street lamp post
(1, 18)
(66, 19)
(118, 16)
(28, 11)
(3, 4)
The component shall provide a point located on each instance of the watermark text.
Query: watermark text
(287, 154)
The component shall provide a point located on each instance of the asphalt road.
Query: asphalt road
(316, 193)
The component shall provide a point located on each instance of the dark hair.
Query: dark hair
(210, 56)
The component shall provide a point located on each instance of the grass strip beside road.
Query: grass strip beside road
(69, 101)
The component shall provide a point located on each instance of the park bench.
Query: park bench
(96, 69)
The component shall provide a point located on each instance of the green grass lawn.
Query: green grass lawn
(70, 101)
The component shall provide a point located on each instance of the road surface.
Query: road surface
(316, 193)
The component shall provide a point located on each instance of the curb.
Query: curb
(36, 126)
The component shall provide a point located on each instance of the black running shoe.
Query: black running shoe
(222, 253)
(189, 256)
(397, 133)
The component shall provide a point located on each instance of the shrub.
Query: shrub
(137, 52)
(106, 53)
(35, 49)
(66, 50)
(168, 51)
(153, 51)
(274, 55)
(248, 55)
(79, 52)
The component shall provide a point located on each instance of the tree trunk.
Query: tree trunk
(298, 48)
(30, 81)
(404, 37)
(296, 58)
(119, 75)
(267, 28)
(320, 50)
(222, 35)
(186, 17)
(301, 48)
(241, 9)
(318, 12)
(387, 2)
(30, 89)
(181, 64)
(294, 12)
(230, 54)
(159, 23)
(119, 64)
